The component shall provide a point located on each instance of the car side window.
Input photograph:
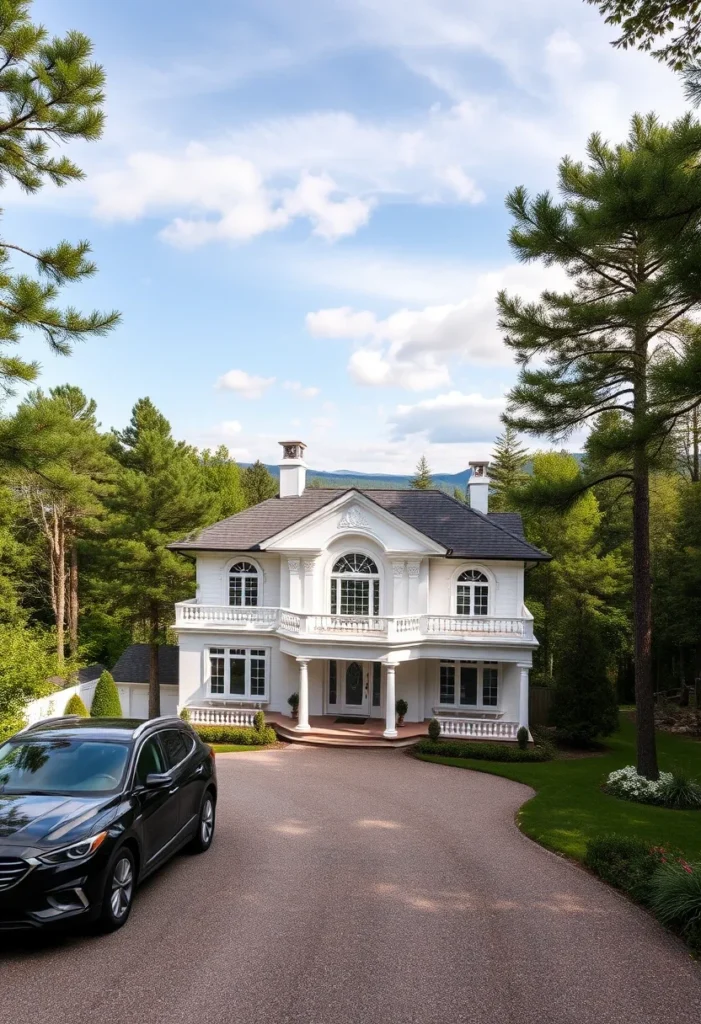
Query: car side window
(150, 760)
(174, 746)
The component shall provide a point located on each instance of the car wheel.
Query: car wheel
(119, 891)
(202, 839)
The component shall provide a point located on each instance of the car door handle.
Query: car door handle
(199, 769)
(174, 789)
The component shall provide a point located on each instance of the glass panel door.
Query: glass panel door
(355, 688)
(468, 685)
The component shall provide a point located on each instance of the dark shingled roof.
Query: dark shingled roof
(465, 532)
(133, 665)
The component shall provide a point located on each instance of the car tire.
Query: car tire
(120, 883)
(202, 840)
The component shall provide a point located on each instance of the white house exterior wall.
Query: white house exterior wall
(506, 590)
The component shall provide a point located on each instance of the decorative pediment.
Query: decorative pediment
(353, 518)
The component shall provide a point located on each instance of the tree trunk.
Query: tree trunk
(154, 681)
(695, 446)
(58, 555)
(73, 607)
(642, 618)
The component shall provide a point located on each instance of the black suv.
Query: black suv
(90, 807)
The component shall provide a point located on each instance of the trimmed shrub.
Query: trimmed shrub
(259, 721)
(675, 898)
(584, 703)
(105, 702)
(75, 706)
(185, 715)
(293, 701)
(434, 729)
(522, 738)
(401, 707)
(623, 862)
(244, 736)
(482, 751)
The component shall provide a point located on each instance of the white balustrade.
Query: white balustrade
(355, 625)
(221, 716)
(481, 729)
(187, 614)
(435, 625)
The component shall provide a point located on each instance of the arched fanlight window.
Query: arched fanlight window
(473, 593)
(355, 586)
(243, 585)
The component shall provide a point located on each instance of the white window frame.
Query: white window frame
(480, 666)
(491, 590)
(243, 577)
(247, 655)
(372, 579)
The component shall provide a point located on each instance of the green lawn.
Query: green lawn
(569, 806)
(235, 748)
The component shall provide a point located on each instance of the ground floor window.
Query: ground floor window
(238, 672)
(469, 684)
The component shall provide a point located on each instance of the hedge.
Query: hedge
(105, 702)
(244, 736)
(75, 706)
(482, 751)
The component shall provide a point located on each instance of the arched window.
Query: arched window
(355, 586)
(473, 593)
(243, 585)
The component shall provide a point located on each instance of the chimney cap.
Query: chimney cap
(292, 449)
(479, 467)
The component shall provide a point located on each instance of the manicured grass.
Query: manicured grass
(570, 808)
(235, 748)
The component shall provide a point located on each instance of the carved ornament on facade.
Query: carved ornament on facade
(413, 569)
(353, 518)
(293, 564)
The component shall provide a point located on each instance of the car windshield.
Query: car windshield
(70, 765)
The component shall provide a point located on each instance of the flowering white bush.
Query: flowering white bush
(628, 784)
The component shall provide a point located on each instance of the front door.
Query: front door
(356, 685)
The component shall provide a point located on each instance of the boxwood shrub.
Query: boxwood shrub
(245, 736)
(623, 862)
(480, 751)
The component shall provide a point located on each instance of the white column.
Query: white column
(390, 699)
(523, 697)
(303, 709)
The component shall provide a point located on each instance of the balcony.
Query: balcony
(354, 628)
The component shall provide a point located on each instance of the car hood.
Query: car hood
(31, 819)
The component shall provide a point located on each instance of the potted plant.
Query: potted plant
(293, 701)
(401, 708)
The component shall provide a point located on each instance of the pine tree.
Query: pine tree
(76, 706)
(258, 484)
(619, 231)
(506, 470)
(51, 94)
(106, 702)
(584, 703)
(422, 479)
(159, 497)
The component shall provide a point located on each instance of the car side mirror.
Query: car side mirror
(158, 780)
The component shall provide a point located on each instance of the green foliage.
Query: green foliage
(506, 471)
(240, 735)
(478, 751)
(51, 95)
(185, 715)
(222, 480)
(522, 738)
(434, 730)
(623, 861)
(258, 484)
(259, 721)
(584, 703)
(76, 706)
(105, 702)
(675, 898)
(680, 793)
(401, 707)
(675, 24)
(27, 659)
(293, 701)
(422, 479)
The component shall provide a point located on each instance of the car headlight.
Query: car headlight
(78, 851)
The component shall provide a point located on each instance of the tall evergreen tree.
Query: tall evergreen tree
(598, 340)
(159, 497)
(506, 471)
(258, 484)
(422, 479)
(51, 94)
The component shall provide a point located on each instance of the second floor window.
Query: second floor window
(243, 585)
(355, 586)
(473, 593)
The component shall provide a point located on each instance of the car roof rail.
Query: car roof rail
(153, 721)
(45, 721)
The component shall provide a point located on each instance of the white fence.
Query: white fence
(221, 716)
(132, 696)
(481, 729)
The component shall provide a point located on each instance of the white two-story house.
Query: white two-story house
(354, 599)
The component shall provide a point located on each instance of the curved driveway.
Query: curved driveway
(353, 886)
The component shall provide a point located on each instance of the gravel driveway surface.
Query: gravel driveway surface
(350, 886)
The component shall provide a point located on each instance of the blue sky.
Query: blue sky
(299, 210)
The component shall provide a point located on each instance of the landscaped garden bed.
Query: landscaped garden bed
(462, 749)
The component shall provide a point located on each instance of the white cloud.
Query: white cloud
(413, 348)
(230, 428)
(297, 387)
(450, 418)
(463, 186)
(244, 384)
(331, 218)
